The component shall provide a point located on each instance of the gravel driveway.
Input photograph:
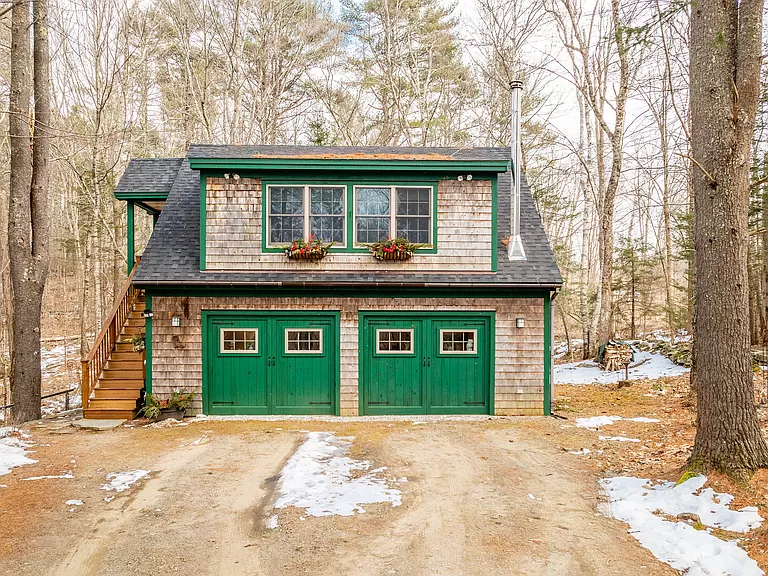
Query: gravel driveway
(481, 498)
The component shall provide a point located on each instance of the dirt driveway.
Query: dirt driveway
(483, 498)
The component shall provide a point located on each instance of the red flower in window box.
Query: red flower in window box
(311, 249)
(394, 249)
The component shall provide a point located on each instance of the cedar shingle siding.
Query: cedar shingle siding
(234, 235)
(177, 355)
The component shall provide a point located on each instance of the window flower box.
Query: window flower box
(312, 249)
(393, 249)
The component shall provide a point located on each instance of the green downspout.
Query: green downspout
(131, 243)
(548, 355)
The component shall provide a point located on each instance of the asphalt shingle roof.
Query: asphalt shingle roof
(172, 256)
(149, 175)
(241, 152)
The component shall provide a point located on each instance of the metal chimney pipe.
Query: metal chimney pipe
(515, 248)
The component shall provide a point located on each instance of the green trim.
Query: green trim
(155, 217)
(494, 224)
(364, 354)
(130, 235)
(349, 223)
(148, 347)
(547, 354)
(203, 179)
(342, 164)
(142, 195)
(383, 293)
(335, 314)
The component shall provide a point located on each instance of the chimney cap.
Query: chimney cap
(516, 84)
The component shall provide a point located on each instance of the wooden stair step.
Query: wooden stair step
(107, 414)
(124, 347)
(135, 322)
(121, 383)
(113, 404)
(122, 375)
(128, 331)
(129, 356)
(117, 393)
(133, 364)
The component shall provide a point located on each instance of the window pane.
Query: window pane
(413, 201)
(327, 201)
(286, 200)
(372, 229)
(328, 228)
(373, 201)
(286, 228)
(414, 229)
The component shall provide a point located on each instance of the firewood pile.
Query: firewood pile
(615, 356)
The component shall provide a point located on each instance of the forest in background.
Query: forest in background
(605, 128)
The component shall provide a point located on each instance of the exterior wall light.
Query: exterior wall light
(175, 321)
(520, 322)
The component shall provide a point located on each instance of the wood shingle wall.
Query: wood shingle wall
(177, 356)
(233, 238)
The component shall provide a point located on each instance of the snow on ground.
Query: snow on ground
(696, 552)
(595, 422)
(618, 439)
(13, 450)
(646, 365)
(322, 479)
(66, 475)
(121, 481)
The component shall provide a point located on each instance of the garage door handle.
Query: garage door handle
(429, 361)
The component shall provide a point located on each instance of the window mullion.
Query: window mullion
(393, 212)
(307, 217)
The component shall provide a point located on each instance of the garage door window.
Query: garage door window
(394, 341)
(239, 341)
(458, 342)
(308, 341)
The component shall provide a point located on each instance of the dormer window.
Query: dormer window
(393, 212)
(303, 211)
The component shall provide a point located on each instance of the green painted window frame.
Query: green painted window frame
(349, 207)
(393, 215)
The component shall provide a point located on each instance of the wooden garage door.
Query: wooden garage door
(426, 364)
(262, 363)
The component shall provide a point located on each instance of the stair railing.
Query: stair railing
(93, 364)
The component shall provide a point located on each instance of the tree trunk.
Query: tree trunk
(28, 221)
(725, 81)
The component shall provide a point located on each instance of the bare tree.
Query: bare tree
(725, 84)
(28, 211)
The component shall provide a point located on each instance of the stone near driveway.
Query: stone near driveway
(98, 425)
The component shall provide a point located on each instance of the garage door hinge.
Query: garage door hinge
(377, 403)
(319, 403)
(220, 403)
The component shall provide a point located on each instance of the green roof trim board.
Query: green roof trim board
(349, 164)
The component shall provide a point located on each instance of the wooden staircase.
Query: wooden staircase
(113, 374)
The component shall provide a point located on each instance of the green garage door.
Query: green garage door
(425, 364)
(261, 363)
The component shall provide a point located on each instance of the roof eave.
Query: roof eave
(341, 164)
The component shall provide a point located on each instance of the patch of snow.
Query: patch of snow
(582, 452)
(595, 422)
(696, 552)
(619, 438)
(121, 481)
(320, 478)
(531, 496)
(13, 451)
(65, 476)
(74, 502)
(272, 522)
(646, 365)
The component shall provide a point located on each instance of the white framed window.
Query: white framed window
(301, 211)
(458, 341)
(393, 212)
(239, 340)
(392, 341)
(303, 341)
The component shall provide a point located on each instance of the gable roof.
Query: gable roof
(144, 176)
(172, 256)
